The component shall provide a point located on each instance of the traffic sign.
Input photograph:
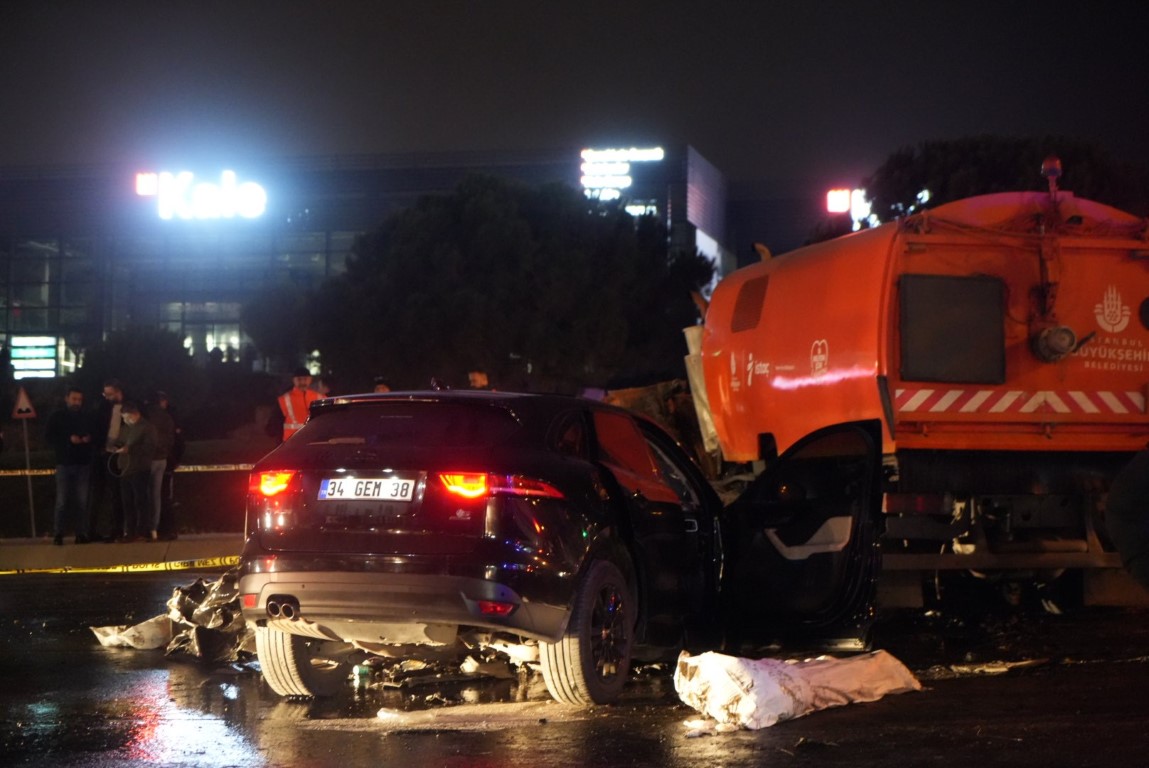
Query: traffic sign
(23, 409)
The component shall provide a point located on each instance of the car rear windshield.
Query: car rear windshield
(412, 425)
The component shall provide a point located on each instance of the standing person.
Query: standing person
(169, 527)
(135, 450)
(293, 403)
(104, 475)
(165, 427)
(69, 432)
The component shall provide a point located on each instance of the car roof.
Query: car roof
(533, 400)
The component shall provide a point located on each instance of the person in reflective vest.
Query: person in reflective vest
(295, 402)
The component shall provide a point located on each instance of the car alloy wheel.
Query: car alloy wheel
(590, 664)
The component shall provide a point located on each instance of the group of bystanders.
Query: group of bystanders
(123, 452)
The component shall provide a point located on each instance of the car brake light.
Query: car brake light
(271, 483)
(478, 485)
(470, 486)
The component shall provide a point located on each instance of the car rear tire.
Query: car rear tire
(590, 664)
(300, 666)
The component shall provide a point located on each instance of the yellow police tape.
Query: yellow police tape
(174, 565)
(181, 468)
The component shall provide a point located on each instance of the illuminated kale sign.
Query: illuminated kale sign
(180, 196)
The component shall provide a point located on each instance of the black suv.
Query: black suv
(564, 532)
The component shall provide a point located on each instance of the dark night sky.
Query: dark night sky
(779, 94)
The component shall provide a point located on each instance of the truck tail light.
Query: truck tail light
(918, 504)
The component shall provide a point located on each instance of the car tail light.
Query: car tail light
(469, 486)
(271, 498)
(270, 483)
(475, 485)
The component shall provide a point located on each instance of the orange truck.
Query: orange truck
(985, 362)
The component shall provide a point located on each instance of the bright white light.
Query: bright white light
(34, 364)
(179, 196)
(606, 169)
(859, 208)
(923, 197)
(631, 155)
(147, 184)
(642, 209)
(838, 200)
(608, 194)
(33, 341)
(602, 182)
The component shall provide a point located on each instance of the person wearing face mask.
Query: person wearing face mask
(134, 451)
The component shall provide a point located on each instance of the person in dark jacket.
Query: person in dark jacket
(69, 432)
(135, 448)
(169, 451)
(105, 476)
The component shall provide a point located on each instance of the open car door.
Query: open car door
(802, 544)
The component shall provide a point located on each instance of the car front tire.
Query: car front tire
(298, 666)
(590, 664)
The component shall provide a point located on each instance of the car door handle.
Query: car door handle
(691, 525)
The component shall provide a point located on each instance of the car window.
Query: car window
(674, 475)
(412, 425)
(621, 444)
(569, 437)
(826, 467)
(624, 449)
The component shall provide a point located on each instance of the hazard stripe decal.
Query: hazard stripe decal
(1016, 401)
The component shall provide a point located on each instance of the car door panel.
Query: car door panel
(806, 555)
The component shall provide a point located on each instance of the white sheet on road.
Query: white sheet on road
(757, 693)
(145, 636)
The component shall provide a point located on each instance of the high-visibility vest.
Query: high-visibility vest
(294, 403)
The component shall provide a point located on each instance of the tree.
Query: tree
(276, 319)
(538, 286)
(954, 169)
(144, 360)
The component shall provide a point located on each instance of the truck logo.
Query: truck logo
(755, 368)
(819, 357)
(1112, 314)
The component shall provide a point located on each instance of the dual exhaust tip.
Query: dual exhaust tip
(283, 607)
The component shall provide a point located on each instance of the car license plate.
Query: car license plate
(374, 488)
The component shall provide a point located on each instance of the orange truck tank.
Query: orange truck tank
(996, 348)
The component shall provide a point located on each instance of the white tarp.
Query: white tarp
(145, 636)
(757, 693)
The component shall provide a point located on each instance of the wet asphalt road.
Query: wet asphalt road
(66, 701)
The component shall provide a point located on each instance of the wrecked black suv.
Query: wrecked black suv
(560, 531)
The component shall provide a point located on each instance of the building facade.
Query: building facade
(85, 252)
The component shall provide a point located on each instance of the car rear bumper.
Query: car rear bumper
(373, 607)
